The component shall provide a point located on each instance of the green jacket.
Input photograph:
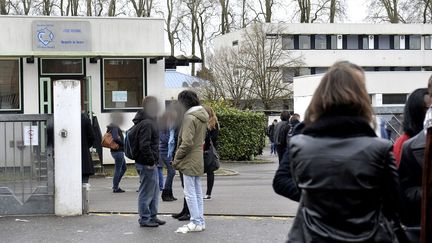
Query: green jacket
(189, 158)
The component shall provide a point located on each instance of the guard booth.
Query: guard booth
(117, 62)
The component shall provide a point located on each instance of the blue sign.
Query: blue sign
(61, 36)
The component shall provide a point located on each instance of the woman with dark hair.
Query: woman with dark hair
(413, 117)
(346, 175)
(189, 159)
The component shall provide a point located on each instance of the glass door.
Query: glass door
(45, 96)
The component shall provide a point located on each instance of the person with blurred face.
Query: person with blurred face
(146, 163)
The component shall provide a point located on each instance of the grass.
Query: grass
(131, 171)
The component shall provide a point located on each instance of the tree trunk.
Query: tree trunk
(243, 16)
(268, 10)
(332, 10)
(3, 7)
(89, 7)
(112, 8)
(193, 32)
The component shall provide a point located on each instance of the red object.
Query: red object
(397, 147)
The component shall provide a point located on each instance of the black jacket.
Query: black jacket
(348, 181)
(117, 135)
(283, 182)
(148, 137)
(410, 173)
(280, 136)
(87, 140)
(211, 135)
(270, 132)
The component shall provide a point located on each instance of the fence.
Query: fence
(26, 164)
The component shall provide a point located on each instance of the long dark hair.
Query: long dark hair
(414, 112)
(342, 91)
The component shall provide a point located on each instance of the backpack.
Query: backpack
(131, 144)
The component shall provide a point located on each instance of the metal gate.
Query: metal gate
(26, 164)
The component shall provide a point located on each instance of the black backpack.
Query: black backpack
(131, 144)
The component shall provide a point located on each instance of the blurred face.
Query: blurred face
(152, 109)
(117, 118)
(428, 100)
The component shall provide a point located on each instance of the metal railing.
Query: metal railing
(26, 164)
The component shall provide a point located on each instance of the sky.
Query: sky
(356, 11)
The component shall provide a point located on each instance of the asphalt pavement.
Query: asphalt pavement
(244, 208)
(249, 193)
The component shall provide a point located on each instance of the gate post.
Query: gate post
(67, 148)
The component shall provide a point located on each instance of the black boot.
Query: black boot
(166, 196)
(184, 211)
(172, 196)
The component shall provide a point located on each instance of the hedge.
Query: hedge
(242, 133)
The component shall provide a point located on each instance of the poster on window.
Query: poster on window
(119, 96)
(31, 135)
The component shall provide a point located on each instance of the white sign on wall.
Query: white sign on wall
(119, 96)
(31, 135)
(51, 36)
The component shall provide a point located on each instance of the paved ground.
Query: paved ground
(240, 211)
(124, 228)
(249, 193)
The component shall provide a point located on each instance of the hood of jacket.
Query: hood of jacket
(199, 112)
(140, 116)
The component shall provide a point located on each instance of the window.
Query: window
(414, 42)
(365, 42)
(304, 42)
(333, 41)
(384, 69)
(288, 75)
(427, 42)
(123, 83)
(400, 69)
(397, 42)
(10, 85)
(320, 42)
(383, 42)
(352, 42)
(394, 99)
(414, 69)
(52, 66)
(235, 43)
(319, 70)
(287, 42)
(304, 71)
(369, 69)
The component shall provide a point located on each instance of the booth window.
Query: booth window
(394, 99)
(10, 85)
(55, 66)
(321, 42)
(123, 83)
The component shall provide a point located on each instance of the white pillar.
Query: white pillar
(67, 148)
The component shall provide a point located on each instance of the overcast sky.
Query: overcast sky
(357, 11)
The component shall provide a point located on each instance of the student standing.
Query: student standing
(347, 176)
(211, 138)
(146, 163)
(189, 158)
(117, 154)
(280, 135)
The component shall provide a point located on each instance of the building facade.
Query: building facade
(117, 60)
(397, 58)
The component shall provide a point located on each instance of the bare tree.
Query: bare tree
(4, 7)
(173, 20)
(230, 81)
(143, 8)
(385, 11)
(262, 57)
(311, 11)
(225, 23)
(26, 4)
(89, 7)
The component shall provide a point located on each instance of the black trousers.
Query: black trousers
(185, 209)
(280, 151)
(210, 182)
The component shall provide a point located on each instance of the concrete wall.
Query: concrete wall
(110, 36)
(377, 83)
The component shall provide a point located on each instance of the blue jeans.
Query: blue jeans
(161, 179)
(148, 196)
(272, 148)
(194, 198)
(120, 168)
(170, 173)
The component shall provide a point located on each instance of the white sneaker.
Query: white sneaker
(191, 227)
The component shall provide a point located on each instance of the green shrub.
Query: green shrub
(242, 133)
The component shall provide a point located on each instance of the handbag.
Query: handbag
(211, 159)
(108, 142)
